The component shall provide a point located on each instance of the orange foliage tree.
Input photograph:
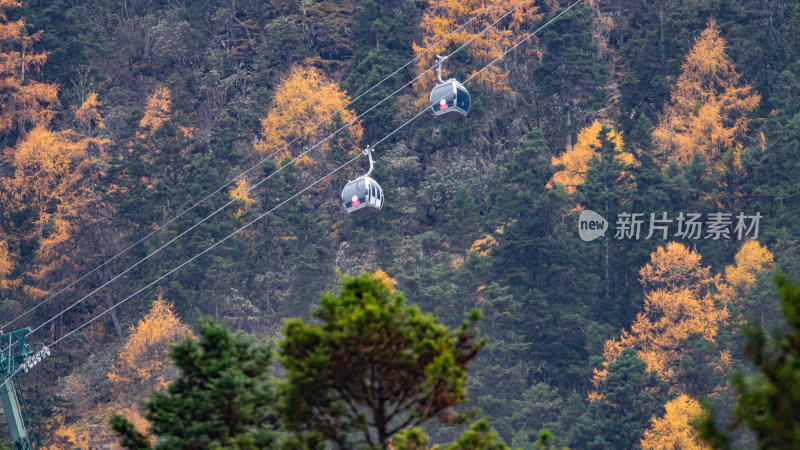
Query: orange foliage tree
(51, 168)
(25, 101)
(483, 246)
(384, 278)
(74, 434)
(156, 112)
(304, 98)
(6, 267)
(708, 109)
(149, 143)
(88, 114)
(50, 174)
(577, 158)
(244, 201)
(53, 176)
(685, 300)
(749, 260)
(445, 16)
(739, 277)
(143, 363)
(680, 304)
(675, 429)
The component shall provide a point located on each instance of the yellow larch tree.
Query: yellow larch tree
(749, 260)
(156, 112)
(304, 98)
(54, 263)
(53, 176)
(89, 122)
(576, 159)
(675, 429)
(675, 267)
(88, 114)
(6, 267)
(239, 190)
(384, 278)
(143, 363)
(42, 169)
(680, 303)
(25, 101)
(445, 16)
(708, 108)
(74, 434)
(483, 246)
(740, 276)
(51, 168)
(135, 416)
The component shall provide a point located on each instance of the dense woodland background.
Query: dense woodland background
(117, 116)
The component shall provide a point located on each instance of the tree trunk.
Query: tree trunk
(114, 318)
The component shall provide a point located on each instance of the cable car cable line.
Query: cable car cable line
(258, 164)
(237, 231)
(346, 125)
(151, 284)
(214, 245)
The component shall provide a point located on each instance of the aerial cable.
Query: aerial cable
(154, 282)
(530, 35)
(258, 164)
(237, 231)
(253, 187)
(293, 196)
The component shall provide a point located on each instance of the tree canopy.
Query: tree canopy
(373, 366)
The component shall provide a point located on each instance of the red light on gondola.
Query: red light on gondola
(355, 201)
(442, 104)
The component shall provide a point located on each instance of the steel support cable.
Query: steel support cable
(255, 186)
(151, 284)
(253, 167)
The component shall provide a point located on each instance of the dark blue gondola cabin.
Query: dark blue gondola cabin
(362, 197)
(450, 100)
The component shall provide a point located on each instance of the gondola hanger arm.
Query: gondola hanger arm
(440, 60)
(368, 151)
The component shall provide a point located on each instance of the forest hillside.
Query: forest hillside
(615, 202)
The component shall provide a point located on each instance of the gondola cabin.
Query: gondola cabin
(450, 101)
(362, 197)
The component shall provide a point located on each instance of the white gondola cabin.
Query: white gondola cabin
(449, 100)
(363, 197)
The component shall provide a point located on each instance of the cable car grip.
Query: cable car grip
(368, 151)
(439, 67)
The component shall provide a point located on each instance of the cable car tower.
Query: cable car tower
(15, 356)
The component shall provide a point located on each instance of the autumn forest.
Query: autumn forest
(600, 255)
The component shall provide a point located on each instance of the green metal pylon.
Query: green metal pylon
(14, 417)
(11, 358)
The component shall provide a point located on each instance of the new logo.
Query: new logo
(591, 225)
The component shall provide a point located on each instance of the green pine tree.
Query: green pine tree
(607, 191)
(630, 397)
(222, 399)
(768, 399)
(372, 366)
(462, 218)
